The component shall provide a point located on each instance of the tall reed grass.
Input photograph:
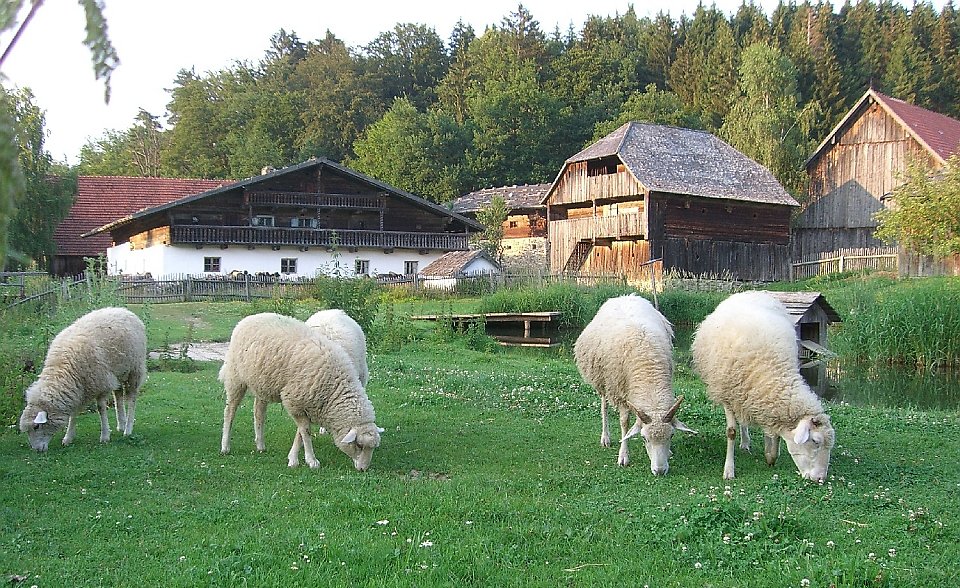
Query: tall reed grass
(911, 323)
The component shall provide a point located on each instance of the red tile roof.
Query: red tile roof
(940, 132)
(102, 199)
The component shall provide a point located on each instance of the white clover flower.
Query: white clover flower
(698, 565)
(830, 544)
(892, 552)
(426, 544)
(805, 582)
(383, 522)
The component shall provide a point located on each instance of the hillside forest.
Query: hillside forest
(507, 105)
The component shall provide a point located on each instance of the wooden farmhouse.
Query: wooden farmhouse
(311, 218)
(102, 199)
(859, 164)
(650, 191)
(525, 228)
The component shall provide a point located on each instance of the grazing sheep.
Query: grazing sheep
(283, 360)
(626, 354)
(337, 326)
(102, 352)
(746, 354)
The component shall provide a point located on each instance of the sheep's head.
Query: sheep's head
(358, 443)
(40, 425)
(657, 431)
(809, 444)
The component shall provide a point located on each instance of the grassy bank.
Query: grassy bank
(490, 473)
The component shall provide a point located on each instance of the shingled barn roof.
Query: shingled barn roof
(102, 199)
(937, 133)
(450, 265)
(684, 161)
(526, 196)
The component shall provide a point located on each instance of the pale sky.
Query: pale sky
(157, 38)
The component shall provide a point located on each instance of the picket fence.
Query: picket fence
(850, 259)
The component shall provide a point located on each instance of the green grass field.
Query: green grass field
(490, 474)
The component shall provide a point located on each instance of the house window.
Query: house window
(303, 221)
(211, 264)
(262, 220)
(288, 265)
(361, 267)
(410, 267)
(512, 224)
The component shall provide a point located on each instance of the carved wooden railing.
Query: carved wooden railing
(314, 199)
(209, 234)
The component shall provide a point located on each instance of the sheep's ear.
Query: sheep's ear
(380, 429)
(350, 437)
(634, 430)
(644, 417)
(41, 418)
(680, 426)
(802, 433)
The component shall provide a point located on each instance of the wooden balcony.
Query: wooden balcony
(315, 200)
(220, 235)
(602, 227)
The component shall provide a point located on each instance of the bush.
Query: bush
(358, 297)
(577, 304)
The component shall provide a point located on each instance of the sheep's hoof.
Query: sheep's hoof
(293, 463)
(313, 464)
(728, 474)
(604, 441)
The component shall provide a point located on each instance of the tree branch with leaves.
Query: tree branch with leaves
(925, 215)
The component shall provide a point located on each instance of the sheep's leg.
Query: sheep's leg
(728, 469)
(119, 406)
(104, 420)
(259, 418)
(771, 447)
(744, 438)
(303, 432)
(131, 402)
(624, 458)
(604, 427)
(71, 430)
(235, 395)
(293, 458)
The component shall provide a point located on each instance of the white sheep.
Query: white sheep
(103, 352)
(746, 353)
(337, 326)
(626, 354)
(281, 359)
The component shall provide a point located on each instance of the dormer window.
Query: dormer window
(262, 220)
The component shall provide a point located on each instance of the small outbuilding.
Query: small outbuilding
(812, 315)
(444, 272)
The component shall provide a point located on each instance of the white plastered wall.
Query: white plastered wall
(163, 260)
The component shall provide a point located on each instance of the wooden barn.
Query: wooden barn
(525, 228)
(859, 164)
(651, 191)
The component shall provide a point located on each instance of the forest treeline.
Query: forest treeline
(507, 105)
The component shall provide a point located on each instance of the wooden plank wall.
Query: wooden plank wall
(848, 180)
(766, 262)
(691, 217)
(576, 186)
(618, 258)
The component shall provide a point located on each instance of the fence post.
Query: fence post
(840, 264)
(246, 286)
(187, 288)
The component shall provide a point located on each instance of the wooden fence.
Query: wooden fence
(190, 288)
(851, 259)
